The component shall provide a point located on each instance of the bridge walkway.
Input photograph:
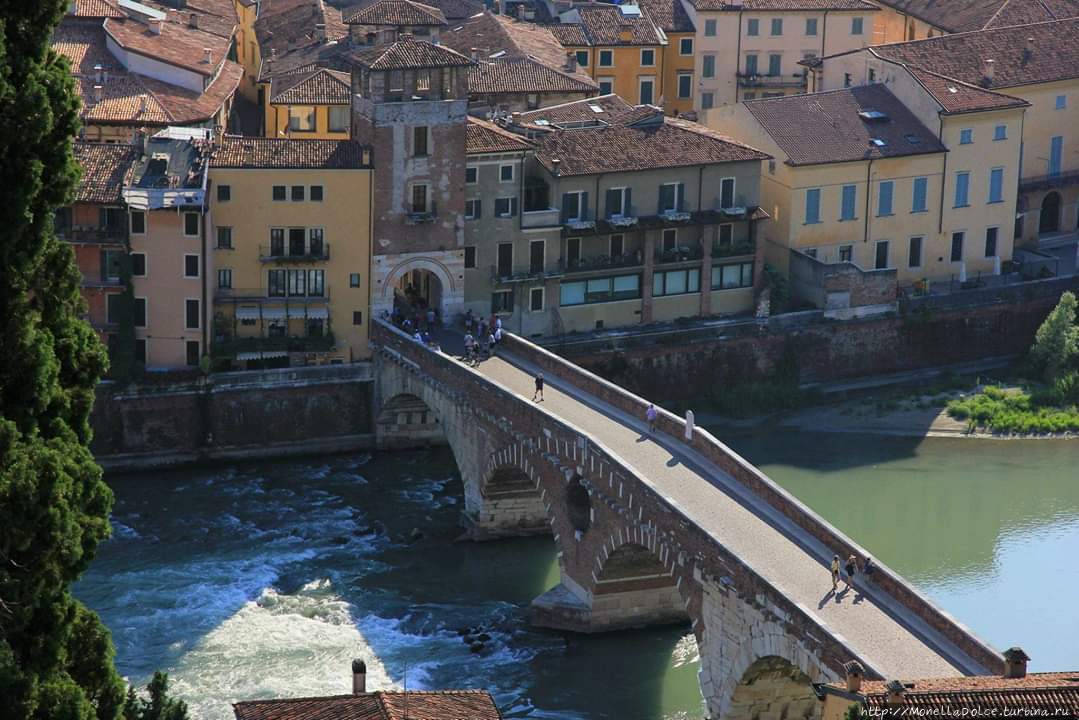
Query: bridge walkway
(883, 632)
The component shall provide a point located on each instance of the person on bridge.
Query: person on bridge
(490, 344)
(430, 319)
(470, 346)
(650, 414)
(849, 570)
(835, 573)
(469, 321)
(539, 388)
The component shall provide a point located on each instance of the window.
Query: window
(648, 57)
(472, 174)
(582, 58)
(884, 198)
(811, 252)
(670, 239)
(598, 290)
(191, 314)
(1056, 153)
(962, 189)
(191, 266)
(846, 253)
(112, 308)
(505, 173)
(339, 118)
(275, 283)
(316, 193)
(920, 202)
(574, 206)
(685, 46)
(140, 312)
(277, 242)
(813, 206)
(846, 80)
(777, 27)
(506, 207)
(872, 75)
(535, 299)
(856, 26)
(397, 81)
(850, 196)
(192, 352)
(301, 118)
(811, 26)
(726, 193)
(470, 256)
(419, 198)
(708, 66)
(991, 241)
(110, 263)
(966, 136)
(685, 86)
(914, 252)
(996, 185)
(419, 141)
(573, 251)
(617, 245)
(774, 64)
(505, 259)
(502, 301)
(537, 251)
(882, 255)
(473, 209)
(138, 265)
(709, 28)
(729, 277)
(316, 247)
(751, 64)
(957, 245)
(1000, 132)
(618, 201)
(708, 100)
(676, 282)
(648, 84)
(224, 278)
(297, 193)
(753, 27)
(606, 85)
(296, 244)
(1061, 102)
(671, 197)
(224, 193)
(191, 224)
(279, 193)
(357, 317)
(606, 58)
(353, 280)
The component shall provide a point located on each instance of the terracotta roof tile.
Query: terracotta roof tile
(405, 54)
(960, 97)
(455, 10)
(282, 24)
(668, 15)
(1041, 691)
(185, 106)
(523, 75)
(1055, 54)
(784, 5)
(446, 705)
(235, 151)
(570, 35)
(106, 167)
(611, 109)
(394, 12)
(96, 9)
(319, 87)
(213, 16)
(604, 25)
(332, 55)
(826, 127)
(966, 15)
(486, 137)
(491, 34)
(177, 44)
(84, 47)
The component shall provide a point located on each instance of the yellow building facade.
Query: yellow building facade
(292, 251)
(247, 47)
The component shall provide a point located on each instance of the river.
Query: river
(265, 580)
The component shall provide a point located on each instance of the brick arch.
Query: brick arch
(773, 687)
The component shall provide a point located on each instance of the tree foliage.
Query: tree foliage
(1057, 340)
(158, 706)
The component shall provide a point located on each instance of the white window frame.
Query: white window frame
(513, 172)
(471, 215)
(579, 194)
(681, 42)
(678, 84)
(476, 168)
(622, 202)
(224, 270)
(1061, 102)
(651, 50)
(677, 195)
(734, 189)
(145, 265)
(608, 79)
(543, 299)
(198, 267)
(186, 234)
(641, 80)
(921, 252)
(513, 210)
(145, 222)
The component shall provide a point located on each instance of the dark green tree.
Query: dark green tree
(159, 706)
(55, 656)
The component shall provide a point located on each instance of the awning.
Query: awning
(314, 313)
(247, 313)
(267, 354)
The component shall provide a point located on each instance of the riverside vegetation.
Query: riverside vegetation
(1049, 405)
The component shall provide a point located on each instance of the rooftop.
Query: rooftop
(177, 44)
(486, 137)
(491, 34)
(784, 5)
(394, 12)
(957, 97)
(524, 75)
(444, 705)
(285, 25)
(234, 151)
(602, 25)
(106, 168)
(608, 108)
(95, 9)
(848, 125)
(957, 16)
(171, 160)
(1034, 691)
(456, 10)
(409, 53)
(668, 15)
(316, 87)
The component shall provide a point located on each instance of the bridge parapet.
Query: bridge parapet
(766, 489)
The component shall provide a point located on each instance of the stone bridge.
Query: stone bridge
(662, 529)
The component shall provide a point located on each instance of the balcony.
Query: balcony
(262, 295)
(682, 253)
(422, 217)
(758, 80)
(733, 249)
(546, 217)
(531, 274)
(312, 343)
(85, 234)
(604, 262)
(1045, 182)
(315, 253)
(100, 280)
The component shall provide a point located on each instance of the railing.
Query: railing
(268, 253)
(547, 217)
(765, 80)
(313, 343)
(100, 279)
(103, 236)
(602, 262)
(263, 295)
(682, 253)
(427, 216)
(1049, 181)
(733, 249)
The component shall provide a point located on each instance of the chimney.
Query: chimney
(555, 165)
(320, 32)
(99, 93)
(474, 53)
(193, 21)
(515, 118)
(359, 677)
(1015, 663)
(990, 71)
(855, 673)
(155, 26)
(142, 103)
(625, 33)
(571, 62)
(207, 55)
(895, 691)
(1030, 46)
(98, 73)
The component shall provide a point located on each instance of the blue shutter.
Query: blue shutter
(884, 202)
(812, 206)
(996, 185)
(1056, 152)
(681, 197)
(920, 188)
(627, 208)
(850, 194)
(962, 189)
(584, 206)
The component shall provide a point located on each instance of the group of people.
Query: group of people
(418, 321)
(488, 336)
(847, 570)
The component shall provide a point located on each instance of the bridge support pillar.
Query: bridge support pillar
(507, 503)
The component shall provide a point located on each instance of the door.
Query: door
(536, 256)
(505, 259)
(1049, 221)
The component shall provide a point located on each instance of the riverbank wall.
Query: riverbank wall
(162, 421)
(695, 362)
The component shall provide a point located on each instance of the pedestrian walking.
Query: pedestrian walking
(430, 318)
(835, 573)
(483, 330)
(539, 388)
(849, 570)
(650, 414)
(498, 336)
(470, 346)
(469, 321)
(868, 567)
(490, 344)
(417, 337)
(498, 323)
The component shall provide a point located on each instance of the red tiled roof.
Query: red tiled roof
(485, 137)
(282, 24)
(319, 87)
(96, 9)
(405, 54)
(960, 97)
(957, 16)
(177, 44)
(523, 75)
(457, 9)
(826, 127)
(491, 34)
(603, 25)
(306, 59)
(570, 35)
(669, 15)
(394, 12)
(784, 5)
(1035, 691)
(445, 705)
(1054, 57)
(611, 109)
(236, 151)
(106, 168)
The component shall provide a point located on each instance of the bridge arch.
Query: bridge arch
(450, 288)
(773, 687)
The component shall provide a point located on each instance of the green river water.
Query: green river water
(265, 579)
